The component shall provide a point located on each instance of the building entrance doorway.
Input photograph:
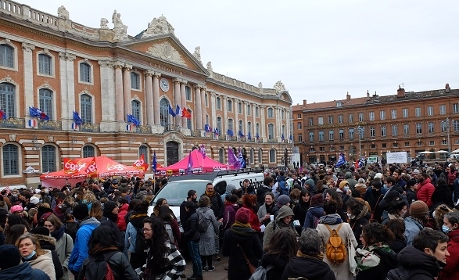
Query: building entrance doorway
(172, 152)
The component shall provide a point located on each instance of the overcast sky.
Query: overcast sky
(319, 49)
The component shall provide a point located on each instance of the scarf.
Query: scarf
(330, 219)
(210, 194)
(242, 229)
(58, 233)
(319, 255)
(111, 216)
(98, 249)
(367, 259)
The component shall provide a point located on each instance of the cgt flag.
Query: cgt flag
(140, 163)
(91, 170)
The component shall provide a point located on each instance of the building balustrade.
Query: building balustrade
(49, 125)
(12, 123)
(88, 127)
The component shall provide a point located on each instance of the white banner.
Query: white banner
(399, 157)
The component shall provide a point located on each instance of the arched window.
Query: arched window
(270, 113)
(7, 99)
(86, 108)
(221, 156)
(10, 159)
(48, 158)
(219, 103)
(249, 129)
(260, 156)
(85, 72)
(143, 150)
(241, 129)
(44, 64)
(45, 97)
(272, 155)
(135, 80)
(257, 129)
(252, 155)
(188, 121)
(136, 109)
(89, 151)
(164, 112)
(219, 125)
(6, 56)
(270, 131)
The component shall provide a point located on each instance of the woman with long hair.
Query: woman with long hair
(159, 202)
(376, 258)
(96, 210)
(171, 224)
(103, 245)
(279, 252)
(134, 230)
(64, 242)
(14, 233)
(30, 250)
(164, 261)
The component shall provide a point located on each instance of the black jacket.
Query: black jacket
(105, 221)
(278, 262)
(216, 204)
(392, 194)
(119, 264)
(420, 265)
(442, 194)
(309, 268)
(190, 228)
(388, 261)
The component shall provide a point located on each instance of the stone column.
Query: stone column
(119, 101)
(204, 107)
(156, 107)
(263, 122)
(177, 100)
(236, 116)
(213, 110)
(149, 97)
(127, 90)
(225, 125)
(245, 124)
(67, 79)
(183, 102)
(27, 50)
(107, 83)
(198, 110)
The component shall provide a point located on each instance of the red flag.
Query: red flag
(140, 163)
(186, 113)
(356, 165)
(70, 166)
(92, 168)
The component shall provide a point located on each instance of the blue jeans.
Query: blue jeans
(193, 248)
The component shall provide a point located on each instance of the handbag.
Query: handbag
(351, 254)
(252, 268)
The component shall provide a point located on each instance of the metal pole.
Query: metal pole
(449, 142)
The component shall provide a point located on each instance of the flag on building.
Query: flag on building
(75, 126)
(257, 136)
(178, 111)
(129, 127)
(33, 123)
(341, 160)
(2, 114)
(249, 136)
(186, 113)
(77, 119)
(291, 137)
(282, 137)
(171, 111)
(35, 112)
(232, 159)
(133, 120)
(241, 134)
(207, 128)
(230, 132)
(216, 132)
(154, 163)
(241, 159)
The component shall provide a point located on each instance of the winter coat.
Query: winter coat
(278, 222)
(190, 228)
(80, 248)
(309, 268)
(312, 217)
(412, 228)
(23, 271)
(106, 221)
(207, 239)
(341, 271)
(119, 264)
(49, 243)
(442, 195)
(451, 270)
(64, 247)
(216, 204)
(358, 223)
(136, 222)
(375, 261)
(278, 262)
(397, 245)
(425, 192)
(420, 265)
(172, 266)
(122, 212)
(229, 215)
(300, 210)
(235, 241)
(261, 192)
(45, 263)
(393, 193)
(263, 210)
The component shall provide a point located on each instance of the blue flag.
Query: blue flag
(35, 112)
(241, 134)
(291, 137)
(230, 132)
(133, 120)
(257, 136)
(171, 111)
(341, 160)
(283, 138)
(207, 128)
(216, 131)
(2, 115)
(154, 163)
(76, 118)
(249, 136)
(362, 162)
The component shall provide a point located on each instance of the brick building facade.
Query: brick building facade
(103, 74)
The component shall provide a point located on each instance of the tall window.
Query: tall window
(330, 119)
(394, 130)
(10, 159)
(417, 111)
(444, 126)
(188, 121)
(405, 112)
(86, 108)
(340, 119)
(351, 118)
(230, 105)
(406, 129)
(164, 112)
(257, 129)
(230, 124)
(371, 116)
(311, 136)
(219, 103)
(361, 117)
(443, 109)
(249, 129)
(393, 114)
(372, 131)
(249, 110)
(300, 137)
(143, 150)
(270, 113)
(311, 121)
(320, 120)
(48, 158)
(321, 136)
(341, 134)
(89, 151)
(188, 93)
(418, 128)
(44, 64)
(85, 72)
(270, 131)
(272, 155)
(331, 135)
(257, 112)
(240, 128)
(6, 56)
(430, 111)
(455, 108)
(45, 97)
(260, 155)
(205, 98)
(299, 125)
(430, 127)
(136, 109)
(351, 134)
(7, 99)
(252, 155)
(382, 115)
(221, 155)
(135, 80)
(219, 125)
(239, 107)
(383, 131)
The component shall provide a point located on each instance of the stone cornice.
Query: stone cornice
(28, 47)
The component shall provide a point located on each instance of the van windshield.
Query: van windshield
(177, 191)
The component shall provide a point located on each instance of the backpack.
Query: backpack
(202, 222)
(98, 268)
(335, 249)
(261, 273)
(140, 244)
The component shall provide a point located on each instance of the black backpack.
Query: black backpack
(98, 268)
(401, 273)
(140, 245)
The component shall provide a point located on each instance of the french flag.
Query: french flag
(129, 127)
(75, 126)
(33, 123)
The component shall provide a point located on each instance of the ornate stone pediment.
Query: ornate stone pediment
(158, 26)
(279, 86)
(167, 52)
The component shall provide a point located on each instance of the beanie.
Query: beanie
(9, 256)
(242, 215)
(310, 182)
(343, 183)
(80, 211)
(108, 207)
(16, 209)
(283, 200)
(40, 230)
(348, 175)
(419, 209)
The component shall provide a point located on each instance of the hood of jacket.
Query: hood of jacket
(413, 258)
(90, 221)
(317, 211)
(284, 211)
(46, 242)
(136, 219)
(22, 271)
(42, 260)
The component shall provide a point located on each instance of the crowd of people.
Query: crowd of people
(318, 222)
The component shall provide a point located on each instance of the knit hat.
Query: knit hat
(419, 209)
(34, 200)
(283, 200)
(9, 256)
(309, 182)
(348, 175)
(16, 209)
(343, 183)
(80, 211)
(40, 230)
(108, 207)
(242, 215)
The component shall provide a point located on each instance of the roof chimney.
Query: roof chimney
(400, 92)
(348, 97)
(305, 102)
